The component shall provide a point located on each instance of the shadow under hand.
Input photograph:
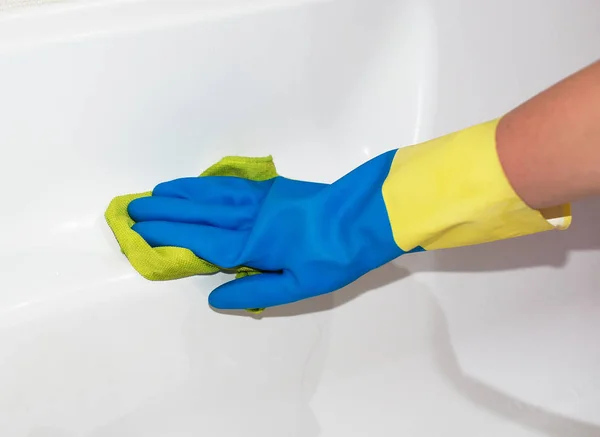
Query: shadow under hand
(378, 278)
(494, 401)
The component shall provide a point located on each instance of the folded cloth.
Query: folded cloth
(167, 263)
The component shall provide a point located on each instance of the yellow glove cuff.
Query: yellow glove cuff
(452, 191)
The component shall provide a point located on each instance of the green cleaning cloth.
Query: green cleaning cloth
(166, 263)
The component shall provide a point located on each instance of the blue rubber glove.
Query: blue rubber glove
(308, 238)
(313, 239)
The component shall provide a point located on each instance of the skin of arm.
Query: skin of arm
(549, 146)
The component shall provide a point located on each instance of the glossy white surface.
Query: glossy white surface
(100, 98)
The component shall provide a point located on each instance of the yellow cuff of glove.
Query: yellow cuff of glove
(452, 191)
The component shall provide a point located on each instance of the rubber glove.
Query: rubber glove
(308, 238)
(313, 238)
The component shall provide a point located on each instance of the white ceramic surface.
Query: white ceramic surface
(101, 98)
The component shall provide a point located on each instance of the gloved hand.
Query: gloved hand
(314, 238)
(308, 238)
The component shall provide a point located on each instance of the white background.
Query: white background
(99, 99)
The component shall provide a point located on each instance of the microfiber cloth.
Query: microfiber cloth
(166, 263)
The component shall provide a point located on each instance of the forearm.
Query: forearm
(549, 146)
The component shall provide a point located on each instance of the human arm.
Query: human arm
(468, 187)
(550, 145)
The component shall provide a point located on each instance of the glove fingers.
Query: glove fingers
(173, 209)
(224, 190)
(218, 246)
(256, 291)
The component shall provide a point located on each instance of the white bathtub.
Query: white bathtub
(101, 98)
